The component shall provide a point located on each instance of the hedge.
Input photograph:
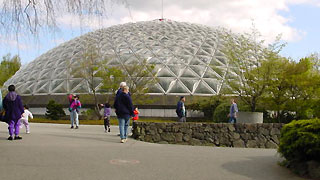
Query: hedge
(300, 141)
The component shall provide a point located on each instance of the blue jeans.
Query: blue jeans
(124, 123)
(232, 120)
(74, 117)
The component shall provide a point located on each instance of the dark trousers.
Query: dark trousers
(106, 122)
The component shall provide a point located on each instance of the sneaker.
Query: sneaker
(77, 127)
(17, 138)
(28, 132)
(109, 130)
(123, 141)
(10, 138)
(71, 127)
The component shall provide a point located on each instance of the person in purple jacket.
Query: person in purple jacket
(124, 110)
(14, 109)
(106, 116)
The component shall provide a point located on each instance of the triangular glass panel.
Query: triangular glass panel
(81, 88)
(58, 86)
(196, 61)
(59, 73)
(222, 59)
(156, 89)
(190, 51)
(132, 60)
(219, 70)
(175, 61)
(45, 74)
(176, 69)
(208, 50)
(211, 74)
(113, 62)
(213, 83)
(165, 72)
(154, 60)
(33, 75)
(96, 82)
(27, 88)
(42, 87)
(74, 82)
(165, 83)
(203, 88)
(190, 83)
(203, 53)
(198, 69)
(165, 53)
(189, 73)
(178, 87)
(204, 59)
(215, 62)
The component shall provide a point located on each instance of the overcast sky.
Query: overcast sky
(296, 20)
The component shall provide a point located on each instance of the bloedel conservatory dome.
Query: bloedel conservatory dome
(187, 59)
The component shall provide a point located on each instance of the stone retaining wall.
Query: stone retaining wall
(217, 134)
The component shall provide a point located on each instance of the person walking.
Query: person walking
(106, 116)
(74, 111)
(181, 110)
(233, 112)
(0, 101)
(1, 108)
(122, 84)
(25, 118)
(124, 110)
(13, 112)
(136, 114)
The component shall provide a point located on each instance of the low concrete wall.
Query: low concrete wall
(250, 117)
(217, 134)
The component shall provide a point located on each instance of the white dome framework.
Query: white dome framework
(187, 59)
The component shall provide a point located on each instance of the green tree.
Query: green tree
(140, 77)
(293, 87)
(88, 70)
(54, 110)
(111, 78)
(208, 105)
(8, 67)
(248, 60)
(304, 88)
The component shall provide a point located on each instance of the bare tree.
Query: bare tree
(88, 70)
(141, 78)
(18, 16)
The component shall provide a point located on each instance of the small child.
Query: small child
(106, 117)
(136, 114)
(25, 118)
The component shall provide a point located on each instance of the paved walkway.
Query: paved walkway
(55, 152)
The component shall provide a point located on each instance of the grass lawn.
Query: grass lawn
(113, 121)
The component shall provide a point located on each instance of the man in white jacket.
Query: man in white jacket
(25, 118)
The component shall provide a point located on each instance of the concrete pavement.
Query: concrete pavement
(55, 152)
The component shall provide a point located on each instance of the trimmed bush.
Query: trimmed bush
(54, 110)
(221, 113)
(300, 141)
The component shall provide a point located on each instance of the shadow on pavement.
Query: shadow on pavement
(261, 167)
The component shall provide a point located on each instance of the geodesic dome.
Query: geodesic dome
(187, 59)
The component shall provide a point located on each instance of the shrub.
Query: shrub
(207, 106)
(300, 141)
(54, 110)
(221, 113)
(90, 114)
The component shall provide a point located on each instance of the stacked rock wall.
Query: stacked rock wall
(218, 134)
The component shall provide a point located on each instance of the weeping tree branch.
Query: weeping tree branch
(20, 16)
